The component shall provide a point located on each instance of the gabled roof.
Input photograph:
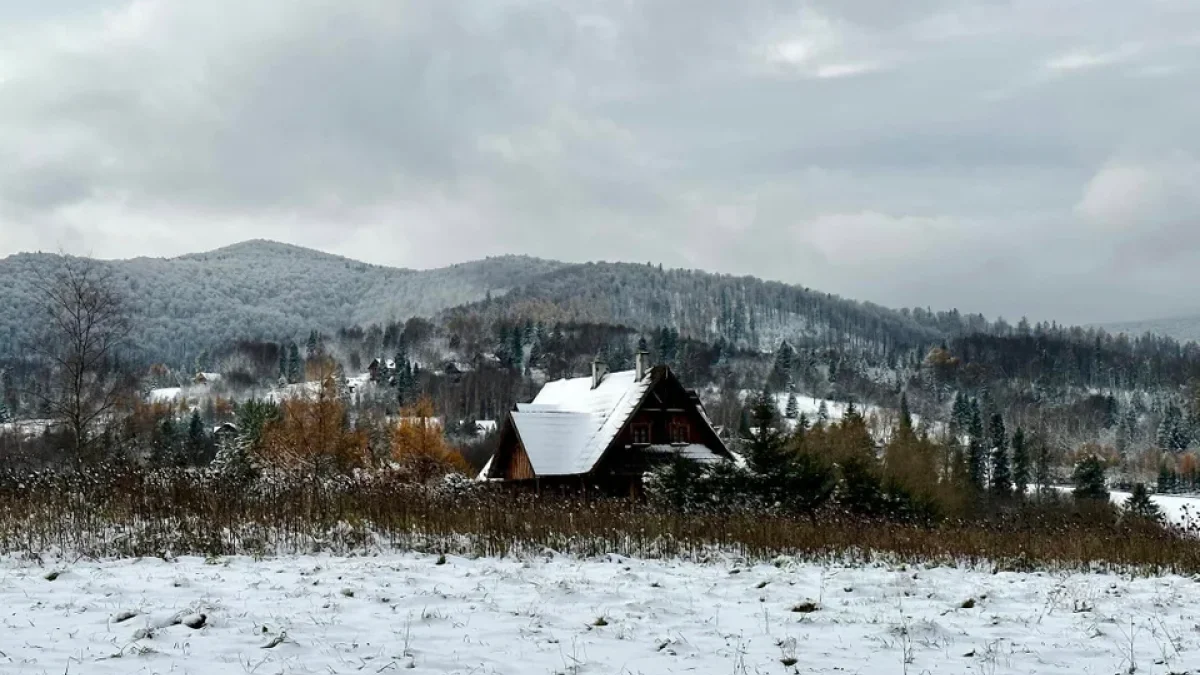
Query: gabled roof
(569, 425)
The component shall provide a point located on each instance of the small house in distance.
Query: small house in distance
(604, 432)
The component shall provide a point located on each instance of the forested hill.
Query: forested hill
(745, 311)
(257, 290)
(262, 290)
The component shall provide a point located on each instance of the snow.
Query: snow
(1183, 511)
(406, 613)
(165, 395)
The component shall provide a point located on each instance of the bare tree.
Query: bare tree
(86, 325)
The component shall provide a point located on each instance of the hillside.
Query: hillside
(259, 290)
(273, 291)
(1186, 328)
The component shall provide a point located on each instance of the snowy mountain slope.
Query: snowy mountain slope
(1185, 328)
(405, 613)
(260, 290)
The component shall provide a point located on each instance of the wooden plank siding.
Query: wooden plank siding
(519, 467)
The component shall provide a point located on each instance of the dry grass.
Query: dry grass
(123, 512)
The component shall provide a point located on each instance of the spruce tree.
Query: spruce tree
(234, 460)
(1021, 463)
(1140, 505)
(1001, 473)
(1171, 436)
(295, 367)
(793, 406)
(1089, 480)
(906, 422)
(976, 450)
(823, 414)
(1166, 478)
(197, 440)
(165, 451)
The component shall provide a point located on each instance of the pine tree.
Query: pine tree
(1020, 461)
(823, 414)
(1140, 505)
(976, 450)
(1089, 480)
(1001, 474)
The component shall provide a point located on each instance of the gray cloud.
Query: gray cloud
(1015, 157)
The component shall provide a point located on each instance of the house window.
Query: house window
(641, 434)
(680, 433)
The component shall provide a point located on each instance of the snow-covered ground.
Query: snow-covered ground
(1179, 510)
(406, 613)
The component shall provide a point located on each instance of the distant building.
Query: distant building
(604, 432)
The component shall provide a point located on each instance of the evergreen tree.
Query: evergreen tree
(295, 367)
(284, 371)
(976, 449)
(1089, 480)
(823, 413)
(1001, 474)
(906, 422)
(234, 461)
(197, 440)
(165, 451)
(1140, 505)
(960, 417)
(315, 348)
(1166, 478)
(766, 446)
(1021, 462)
(1171, 436)
(1041, 463)
(793, 406)
(5, 415)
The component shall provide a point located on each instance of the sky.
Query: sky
(1034, 158)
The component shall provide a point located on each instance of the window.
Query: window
(680, 433)
(641, 434)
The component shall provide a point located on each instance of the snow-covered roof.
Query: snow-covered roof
(693, 451)
(567, 427)
(486, 426)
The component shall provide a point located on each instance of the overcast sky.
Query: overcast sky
(1034, 157)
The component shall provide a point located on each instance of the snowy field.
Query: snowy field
(406, 613)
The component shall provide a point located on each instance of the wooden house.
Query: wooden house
(604, 432)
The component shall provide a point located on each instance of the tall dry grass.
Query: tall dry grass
(121, 512)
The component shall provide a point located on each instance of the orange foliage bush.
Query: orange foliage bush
(419, 445)
(312, 435)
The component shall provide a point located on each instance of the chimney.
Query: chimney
(599, 370)
(641, 361)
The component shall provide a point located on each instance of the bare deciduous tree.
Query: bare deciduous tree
(86, 324)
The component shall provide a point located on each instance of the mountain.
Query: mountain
(1184, 328)
(258, 290)
(261, 290)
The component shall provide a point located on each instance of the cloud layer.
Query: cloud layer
(1016, 157)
